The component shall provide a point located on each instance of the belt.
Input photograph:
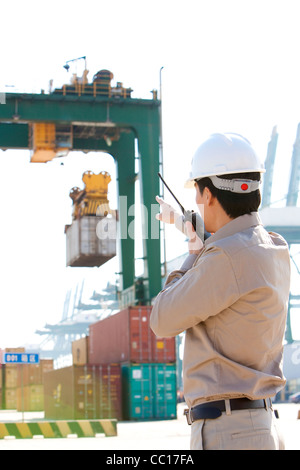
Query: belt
(214, 409)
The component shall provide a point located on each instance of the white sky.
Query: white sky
(229, 65)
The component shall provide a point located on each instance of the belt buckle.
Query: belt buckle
(187, 414)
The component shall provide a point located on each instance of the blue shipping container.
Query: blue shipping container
(149, 391)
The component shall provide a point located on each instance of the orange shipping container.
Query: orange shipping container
(80, 351)
(127, 337)
(14, 350)
(84, 392)
(10, 376)
(10, 398)
(33, 374)
(32, 400)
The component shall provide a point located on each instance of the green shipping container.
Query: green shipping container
(149, 391)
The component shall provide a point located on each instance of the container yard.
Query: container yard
(136, 379)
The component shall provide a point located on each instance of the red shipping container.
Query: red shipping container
(127, 337)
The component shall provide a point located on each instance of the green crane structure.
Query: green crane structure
(99, 118)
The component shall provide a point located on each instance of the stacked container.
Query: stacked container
(149, 391)
(30, 383)
(10, 381)
(121, 370)
(84, 392)
(1, 382)
(80, 351)
(148, 363)
(21, 386)
(1, 393)
(127, 337)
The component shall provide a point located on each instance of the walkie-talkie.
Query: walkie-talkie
(190, 216)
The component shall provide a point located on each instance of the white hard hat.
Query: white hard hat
(223, 154)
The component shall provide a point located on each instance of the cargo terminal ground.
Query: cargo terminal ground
(164, 435)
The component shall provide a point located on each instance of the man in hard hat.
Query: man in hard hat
(230, 297)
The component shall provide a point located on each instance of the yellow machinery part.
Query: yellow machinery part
(42, 142)
(43, 139)
(96, 186)
(42, 156)
(92, 200)
(43, 136)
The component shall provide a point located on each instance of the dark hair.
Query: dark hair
(234, 204)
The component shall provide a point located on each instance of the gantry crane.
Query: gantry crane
(98, 117)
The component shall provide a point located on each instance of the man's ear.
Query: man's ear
(208, 197)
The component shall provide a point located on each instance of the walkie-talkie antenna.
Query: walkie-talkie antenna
(180, 205)
(190, 216)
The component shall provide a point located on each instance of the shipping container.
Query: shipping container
(149, 391)
(83, 392)
(30, 398)
(80, 349)
(1, 381)
(91, 241)
(10, 376)
(9, 386)
(127, 337)
(10, 398)
(33, 374)
(8, 382)
(164, 391)
(14, 350)
(59, 394)
(2, 403)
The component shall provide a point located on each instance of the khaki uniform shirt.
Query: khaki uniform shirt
(232, 301)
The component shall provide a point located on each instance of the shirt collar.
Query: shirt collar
(236, 225)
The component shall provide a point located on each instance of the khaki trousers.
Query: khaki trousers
(238, 430)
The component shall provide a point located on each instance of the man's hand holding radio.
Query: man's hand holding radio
(169, 215)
